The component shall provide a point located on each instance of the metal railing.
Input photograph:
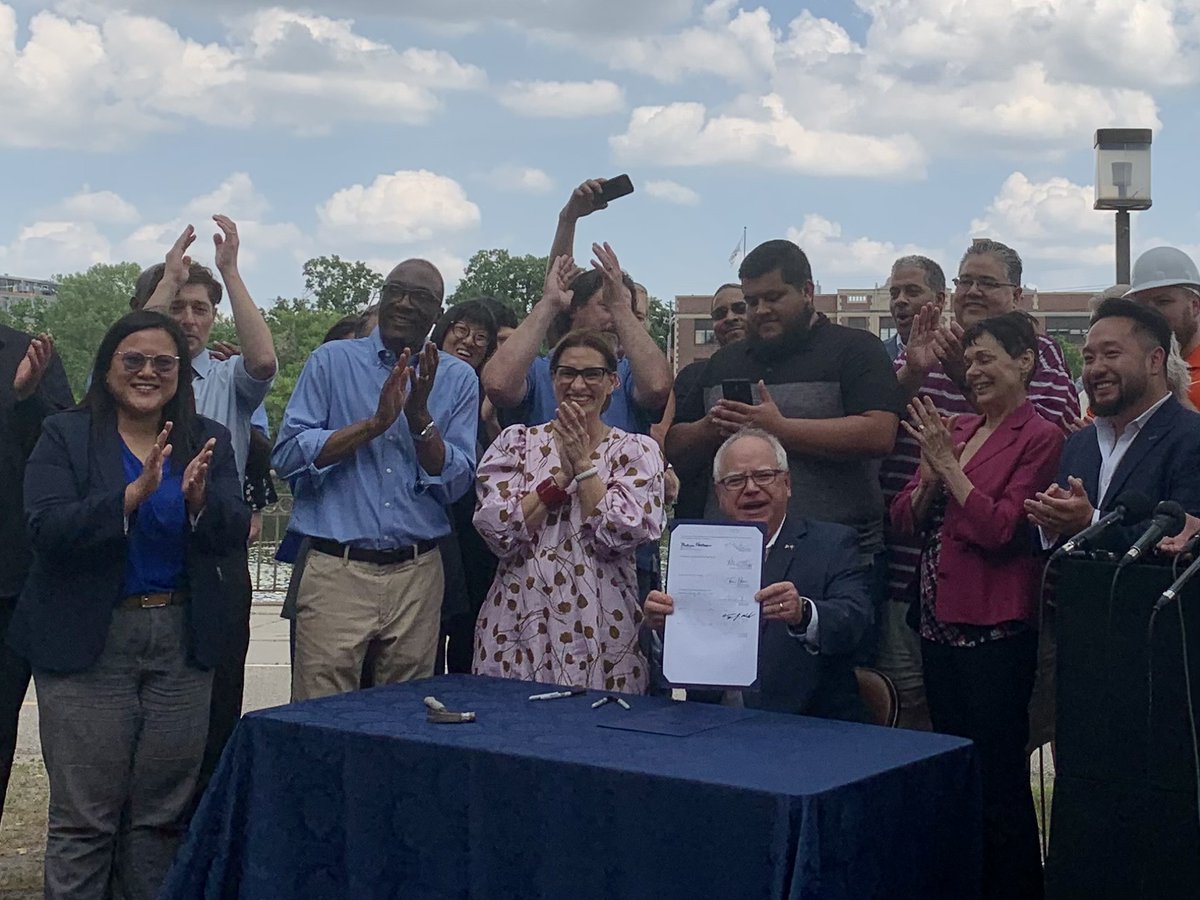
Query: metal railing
(268, 576)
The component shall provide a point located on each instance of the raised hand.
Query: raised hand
(33, 366)
(223, 350)
(584, 200)
(950, 352)
(932, 432)
(416, 406)
(178, 263)
(554, 288)
(143, 487)
(392, 396)
(615, 294)
(195, 478)
(226, 244)
(921, 349)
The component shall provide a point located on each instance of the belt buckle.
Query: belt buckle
(145, 602)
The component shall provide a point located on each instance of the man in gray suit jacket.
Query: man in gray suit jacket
(815, 605)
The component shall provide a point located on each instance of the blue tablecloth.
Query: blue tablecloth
(357, 796)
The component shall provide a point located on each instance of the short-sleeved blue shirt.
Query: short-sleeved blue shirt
(157, 533)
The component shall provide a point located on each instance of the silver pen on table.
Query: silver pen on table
(556, 695)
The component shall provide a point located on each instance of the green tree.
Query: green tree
(340, 285)
(515, 280)
(298, 326)
(660, 315)
(1073, 357)
(86, 305)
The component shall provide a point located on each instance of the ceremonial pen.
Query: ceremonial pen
(555, 695)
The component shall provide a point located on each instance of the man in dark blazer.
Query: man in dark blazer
(33, 385)
(1142, 438)
(815, 605)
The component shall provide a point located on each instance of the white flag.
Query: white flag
(737, 251)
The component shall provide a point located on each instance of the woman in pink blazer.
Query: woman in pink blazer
(979, 578)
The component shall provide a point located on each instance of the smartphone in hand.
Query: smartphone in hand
(737, 390)
(613, 189)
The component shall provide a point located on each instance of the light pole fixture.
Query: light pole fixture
(1123, 181)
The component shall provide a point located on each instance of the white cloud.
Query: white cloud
(562, 99)
(520, 178)
(404, 207)
(104, 80)
(672, 192)
(46, 248)
(97, 206)
(684, 134)
(864, 258)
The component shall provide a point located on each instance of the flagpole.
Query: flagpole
(743, 242)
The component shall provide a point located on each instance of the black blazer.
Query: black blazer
(1163, 463)
(74, 504)
(20, 426)
(824, 563)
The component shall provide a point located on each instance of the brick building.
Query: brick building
(14, 289)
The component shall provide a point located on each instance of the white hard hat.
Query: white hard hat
(1163, 267)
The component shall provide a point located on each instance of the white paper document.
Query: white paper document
(713, 573)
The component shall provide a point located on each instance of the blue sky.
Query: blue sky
(382, 130)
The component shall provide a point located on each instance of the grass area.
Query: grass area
(23, 832)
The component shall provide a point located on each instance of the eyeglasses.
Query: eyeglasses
(464, 332)
(761, 477)
(591, 376)
(394, 290)
(984, 284)
(738, 308)
(134, 362)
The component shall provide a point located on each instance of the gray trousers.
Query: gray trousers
(122, 743)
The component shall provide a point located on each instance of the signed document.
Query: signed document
(714, 571)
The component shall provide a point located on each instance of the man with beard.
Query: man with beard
(376, 451)
(1142, 438)
(1167, 280)
(915, 282)
(827, 392)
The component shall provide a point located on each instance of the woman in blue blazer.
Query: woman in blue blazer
(132, 500)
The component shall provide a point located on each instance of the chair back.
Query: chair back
(879, 695)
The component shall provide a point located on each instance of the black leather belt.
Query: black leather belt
(378, 557)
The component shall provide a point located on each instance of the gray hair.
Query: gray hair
(935, 278)
(749, 432)
(1002, 252)
(1117, 290)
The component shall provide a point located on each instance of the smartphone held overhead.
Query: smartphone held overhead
(614, 189)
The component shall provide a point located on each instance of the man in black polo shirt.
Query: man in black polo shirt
(826, 391)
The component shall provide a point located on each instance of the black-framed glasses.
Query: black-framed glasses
(738, 308)
(465, 332)
(761, 477)
(395, 290)
(134, 362)
(591, 376)
(966, 282)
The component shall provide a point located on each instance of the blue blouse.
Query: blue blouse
(157, 533)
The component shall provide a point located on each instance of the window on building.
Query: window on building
(705, 336)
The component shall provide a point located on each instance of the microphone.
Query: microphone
(1169, 519)
(1170, 593)
(1131, 506)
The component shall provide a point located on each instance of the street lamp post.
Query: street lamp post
(1123, 182)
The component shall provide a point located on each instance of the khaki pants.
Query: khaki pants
(345, 606)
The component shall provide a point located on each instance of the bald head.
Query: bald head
(419, 273)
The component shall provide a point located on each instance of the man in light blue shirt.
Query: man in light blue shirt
(227, 391)
(377, 442)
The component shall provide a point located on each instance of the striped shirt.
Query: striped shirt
(1052, 392)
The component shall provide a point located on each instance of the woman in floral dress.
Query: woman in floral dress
(564, 506)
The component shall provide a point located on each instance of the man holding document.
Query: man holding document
(814, 605)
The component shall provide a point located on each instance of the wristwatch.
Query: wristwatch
(426, 433)
(806, 617)
(551, 494)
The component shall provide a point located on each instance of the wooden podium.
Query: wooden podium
(1124, 818)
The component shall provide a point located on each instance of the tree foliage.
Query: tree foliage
(1073, 357)
(340, 285)
(86, 305)
(514, 280)
(660, 315)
